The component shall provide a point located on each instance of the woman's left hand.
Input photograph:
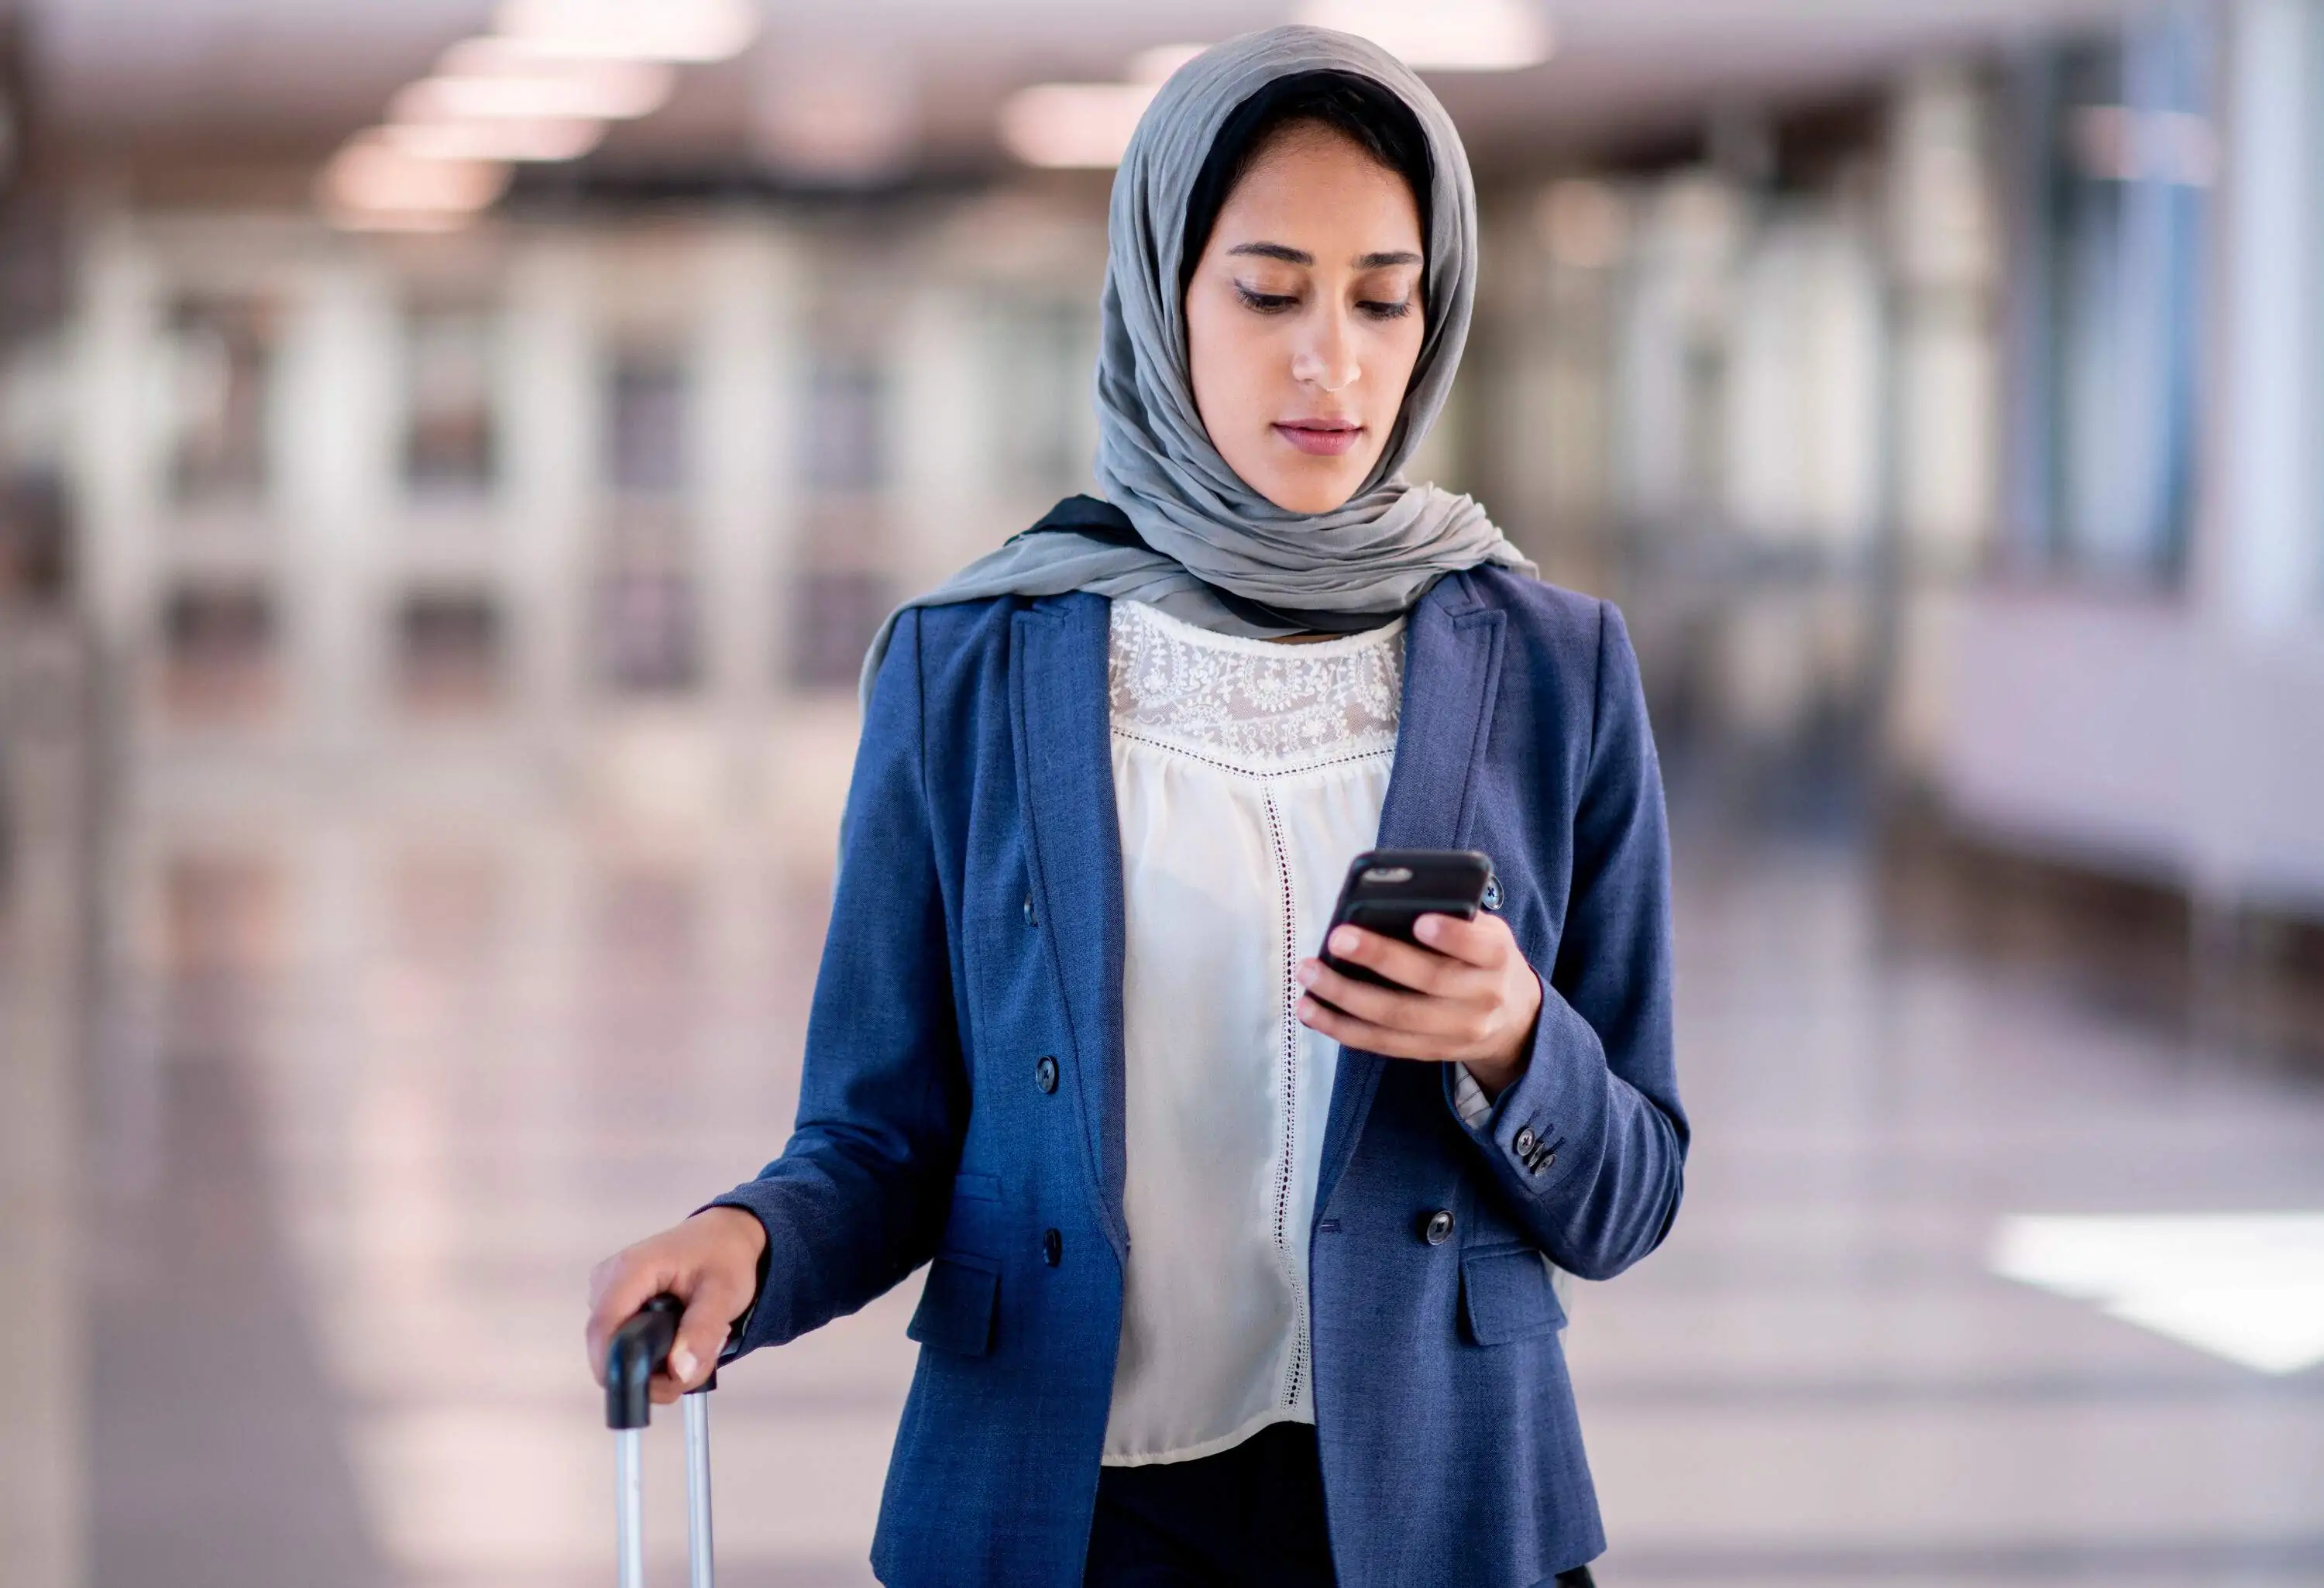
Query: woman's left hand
(1472, 997)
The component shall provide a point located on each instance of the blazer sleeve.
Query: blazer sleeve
(1589, 1143)
(858, 1199)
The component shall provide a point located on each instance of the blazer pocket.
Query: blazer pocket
(976, 1189)
(1506, 1295)
(957, 1306)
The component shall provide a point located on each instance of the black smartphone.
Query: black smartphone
(1387, 889)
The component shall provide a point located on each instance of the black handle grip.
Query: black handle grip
(639, 1349)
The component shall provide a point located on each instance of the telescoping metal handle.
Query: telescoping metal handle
(639, 1349)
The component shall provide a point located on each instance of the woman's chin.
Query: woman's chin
(1309, 484)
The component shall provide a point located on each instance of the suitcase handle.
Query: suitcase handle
(638, 1351)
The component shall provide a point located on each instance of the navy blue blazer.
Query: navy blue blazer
(977, 931)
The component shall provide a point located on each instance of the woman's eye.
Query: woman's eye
(1387, 311)
(1264, 302)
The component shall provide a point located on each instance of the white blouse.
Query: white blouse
(1247, 775)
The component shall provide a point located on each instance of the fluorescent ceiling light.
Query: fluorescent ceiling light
(2245, 1286)
(497, 138)
(1156, 65)
(604, 90)
(632, 30)
(835, 115)
(1067, 124)
(373, 183)
(1449, 35)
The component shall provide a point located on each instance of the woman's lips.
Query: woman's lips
(1320, 438)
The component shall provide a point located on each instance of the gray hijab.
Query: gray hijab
(1204, 529)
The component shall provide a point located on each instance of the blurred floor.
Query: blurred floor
(1817, 1381)
(374, 1091)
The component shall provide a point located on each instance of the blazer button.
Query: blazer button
(1439, 1228)
(1492, 898)
(1044, 1074)
(1526, 1141)
(1028, 909)
(1053, 1248)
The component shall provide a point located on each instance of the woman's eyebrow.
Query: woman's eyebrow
(1290, 255)
(1282, 251)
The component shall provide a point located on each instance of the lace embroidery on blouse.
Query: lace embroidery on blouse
(1261, 707)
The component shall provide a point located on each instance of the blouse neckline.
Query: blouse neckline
(1249, 706)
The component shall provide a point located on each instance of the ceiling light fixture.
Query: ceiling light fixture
(1450, 35)
(541, 88)
(371, 184)
(1156, 65)
(600, 90)
(1087, 126)
(498, 138)
(682, 31)
(1084, 125)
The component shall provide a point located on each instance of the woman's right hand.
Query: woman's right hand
(710, 1262)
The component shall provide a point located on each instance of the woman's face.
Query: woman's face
(1304, 318)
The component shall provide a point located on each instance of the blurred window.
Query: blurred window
(450, 440)
(646, 423)
(647, 627)
(2127, 154)
(448, 909)
(846, 433)
(217, 645)
(448, 650)
(836, 614)
(35, 538)
(647, 936)
(220, 355)
(222, 915)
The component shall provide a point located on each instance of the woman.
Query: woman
(1239, 1269)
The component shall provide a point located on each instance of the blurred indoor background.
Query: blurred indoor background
(451, 459)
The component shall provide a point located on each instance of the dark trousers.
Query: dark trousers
(1247, 1517)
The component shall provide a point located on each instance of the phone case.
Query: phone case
(1387, 889)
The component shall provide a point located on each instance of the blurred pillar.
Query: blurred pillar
(2258, 560)
(1943, 243)
(335, 445)
(942, 437)
(551, 398)
(115, 457)
(2260, 571)
(747, 360)
(1944, 253)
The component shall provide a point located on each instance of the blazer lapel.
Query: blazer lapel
(1451, 672)
(1062, 729)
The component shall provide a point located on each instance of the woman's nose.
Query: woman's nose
(1327, 359)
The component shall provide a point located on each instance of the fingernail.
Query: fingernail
(1426, 928)
(1345, 940)
(1307, 973)
(681, 1364)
